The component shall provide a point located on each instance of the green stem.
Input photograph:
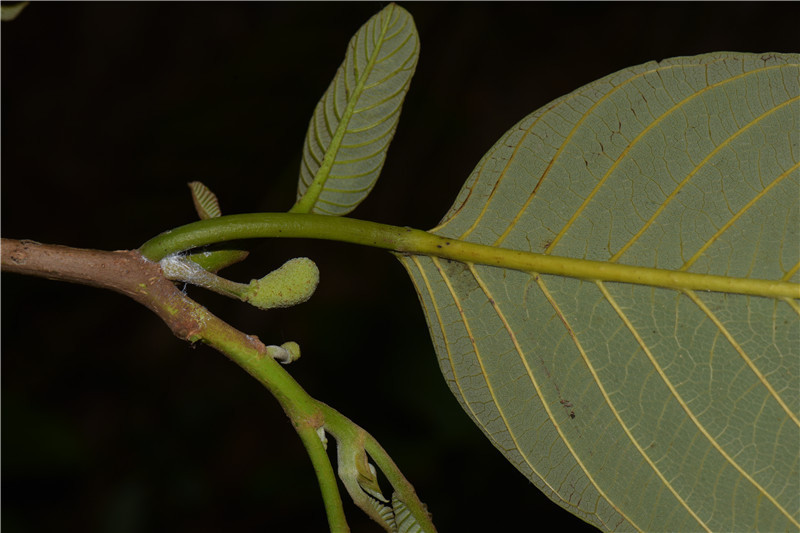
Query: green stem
(302, 409)
(307, 415)
(412, 241)
(326, 478)
(181, 269)
(259, 225)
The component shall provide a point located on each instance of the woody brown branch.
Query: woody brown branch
(124, 271)
(128, 273)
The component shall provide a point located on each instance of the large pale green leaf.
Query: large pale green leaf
(638, 407)
(356, 118)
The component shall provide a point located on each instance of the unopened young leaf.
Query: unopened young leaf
(205, 201)
(404, 520)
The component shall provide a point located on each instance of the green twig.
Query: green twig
(249, 353)
(308, 415)
(326, 478)
(127, 272)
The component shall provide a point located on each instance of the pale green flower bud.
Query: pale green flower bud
(291, 284)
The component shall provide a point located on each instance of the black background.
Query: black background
(109, 423)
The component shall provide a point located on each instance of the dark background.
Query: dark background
(109, 423)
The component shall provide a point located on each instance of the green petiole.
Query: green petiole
(418, 242)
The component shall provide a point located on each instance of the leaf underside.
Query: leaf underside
(638, 408)
(356, 119)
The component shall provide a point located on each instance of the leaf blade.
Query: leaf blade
(587, 386)
(354, 122)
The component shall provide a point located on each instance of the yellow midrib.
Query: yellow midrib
(420, 242)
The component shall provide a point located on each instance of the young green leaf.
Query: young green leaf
(385, 513)
(636, 407)
(205, 201)
(403, 519)
(355, 120)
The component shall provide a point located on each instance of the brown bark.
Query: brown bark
(124, 271)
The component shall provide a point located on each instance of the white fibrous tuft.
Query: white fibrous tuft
(176, 268)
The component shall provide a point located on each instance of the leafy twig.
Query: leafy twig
(129, 273)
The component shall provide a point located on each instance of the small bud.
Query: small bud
(293, 349)
(291, 284)
(286, 353)
(322, 437)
